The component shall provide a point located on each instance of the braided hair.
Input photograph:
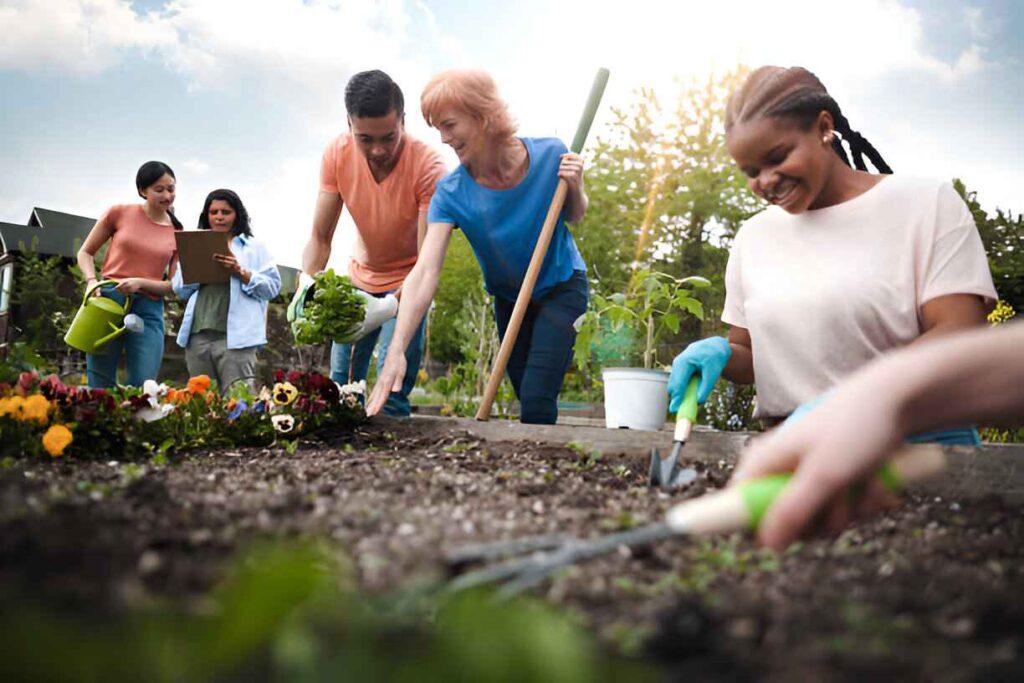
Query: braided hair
(796, 93)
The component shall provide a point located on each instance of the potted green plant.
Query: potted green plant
(655, 303)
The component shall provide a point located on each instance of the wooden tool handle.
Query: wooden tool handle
(743, 506)
(539, 252)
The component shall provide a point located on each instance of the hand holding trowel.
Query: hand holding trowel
(665, 472)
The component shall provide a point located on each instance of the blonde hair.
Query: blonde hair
(471, 91)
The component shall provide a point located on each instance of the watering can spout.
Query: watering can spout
(117, 332)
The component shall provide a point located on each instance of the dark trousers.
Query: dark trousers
(543, 349)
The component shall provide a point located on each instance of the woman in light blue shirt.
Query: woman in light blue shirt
(225, 324)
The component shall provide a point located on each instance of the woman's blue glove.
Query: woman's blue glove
(708, 357)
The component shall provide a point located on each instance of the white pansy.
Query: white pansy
(283, 423)
(352, 387)
(155, 413)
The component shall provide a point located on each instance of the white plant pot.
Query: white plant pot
(635, 398)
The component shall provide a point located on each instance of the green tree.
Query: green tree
(705, 197)
(460, 295)
(1003, 236)
(666, 196)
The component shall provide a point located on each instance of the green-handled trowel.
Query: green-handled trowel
(665, 472)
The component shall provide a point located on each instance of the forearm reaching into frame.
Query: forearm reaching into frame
(417, 293)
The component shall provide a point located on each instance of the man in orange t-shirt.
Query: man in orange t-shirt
(386, 178)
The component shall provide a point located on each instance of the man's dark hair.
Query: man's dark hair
(372, 94)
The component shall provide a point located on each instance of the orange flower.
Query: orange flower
(56, 439)
(36, 409)
(199, 384)
(231, 404)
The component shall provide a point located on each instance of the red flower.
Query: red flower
(279, 375)
(27, 380)
(294, 376)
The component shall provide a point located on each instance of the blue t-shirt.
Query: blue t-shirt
(503, 226)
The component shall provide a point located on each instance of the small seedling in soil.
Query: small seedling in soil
(621, 471)
(587, 458)
(460, 446)
(621, 522)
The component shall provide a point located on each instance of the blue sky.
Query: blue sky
(245, 95)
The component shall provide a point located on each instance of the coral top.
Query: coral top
(386, 214)
(140, 247)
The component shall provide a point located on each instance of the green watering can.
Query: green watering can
(100, 320)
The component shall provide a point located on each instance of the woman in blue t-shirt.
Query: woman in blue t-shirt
(499, 196)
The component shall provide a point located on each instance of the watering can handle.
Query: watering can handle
(101, 283)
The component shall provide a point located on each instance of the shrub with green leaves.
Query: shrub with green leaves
(333, 311)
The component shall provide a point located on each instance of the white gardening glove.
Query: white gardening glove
(379, 310)
(303, 291)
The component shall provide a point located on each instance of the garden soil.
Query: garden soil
(931, 591)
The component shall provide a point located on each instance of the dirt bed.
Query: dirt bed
(929, 592)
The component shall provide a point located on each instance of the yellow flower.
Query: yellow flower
(284, 393)
(1001, 313)
(13, 406)
(36, 409)
(56, 439)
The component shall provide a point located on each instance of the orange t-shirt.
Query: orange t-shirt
(140, 247)
(386, 214)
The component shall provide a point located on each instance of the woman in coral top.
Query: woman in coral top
(140, 257)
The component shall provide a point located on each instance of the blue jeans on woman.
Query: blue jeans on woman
(345, 368)
(543, 349)
(144, 350)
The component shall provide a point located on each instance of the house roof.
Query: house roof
(61, 234)
(56, 233)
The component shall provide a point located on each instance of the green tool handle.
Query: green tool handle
(744, 506)
(907, 465)
(688, 408)
(589, 110)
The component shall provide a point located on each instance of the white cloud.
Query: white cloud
(80, 36)
(195, 166)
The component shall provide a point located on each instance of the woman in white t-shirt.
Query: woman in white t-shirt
(844, 266)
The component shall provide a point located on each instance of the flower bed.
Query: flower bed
(43, 416)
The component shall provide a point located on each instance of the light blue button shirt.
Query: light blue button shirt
(247, 305)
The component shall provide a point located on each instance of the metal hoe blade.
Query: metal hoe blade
(666, 473)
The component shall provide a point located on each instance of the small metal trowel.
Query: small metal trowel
(665, 472)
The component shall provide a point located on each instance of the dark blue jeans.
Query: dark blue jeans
(543, 349)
